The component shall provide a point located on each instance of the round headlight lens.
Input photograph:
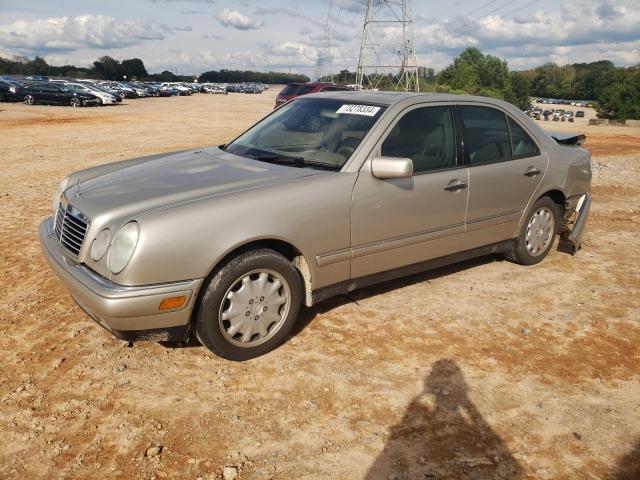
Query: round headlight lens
(56, 196)
(123, 246)
(100, 244)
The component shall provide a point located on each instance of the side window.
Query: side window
(486, 136)
(521, 142)
(426, 136)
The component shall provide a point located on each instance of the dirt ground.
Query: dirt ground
(478, 371)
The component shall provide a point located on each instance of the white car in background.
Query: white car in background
(178, 86)
(105, 97)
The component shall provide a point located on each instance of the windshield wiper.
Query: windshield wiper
(299, 162)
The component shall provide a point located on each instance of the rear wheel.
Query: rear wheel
(537, 233)
(29, 100)
(249, 306)
(75, 102)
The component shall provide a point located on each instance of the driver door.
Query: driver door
(404, 221)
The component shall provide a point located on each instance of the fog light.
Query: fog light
(170, 303)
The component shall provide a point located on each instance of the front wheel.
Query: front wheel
(537, 233)
(249, 306)
(29, 100)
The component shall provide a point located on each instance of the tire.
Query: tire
(537, 235)
(29, 100)
(252, 279)
(75, 102)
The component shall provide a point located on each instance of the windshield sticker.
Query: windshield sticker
(366, 110)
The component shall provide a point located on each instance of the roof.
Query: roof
(392, 98)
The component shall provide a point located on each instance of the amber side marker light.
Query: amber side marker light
(172, 302)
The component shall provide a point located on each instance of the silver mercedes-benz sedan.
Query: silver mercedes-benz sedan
(327, 194)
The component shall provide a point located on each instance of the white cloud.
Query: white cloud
(65, 34)
(235, 19)
(578, 31)
(288, 11)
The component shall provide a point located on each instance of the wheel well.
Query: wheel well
(558, 197)
(285, 249)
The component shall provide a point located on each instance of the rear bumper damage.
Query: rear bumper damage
(575, 220)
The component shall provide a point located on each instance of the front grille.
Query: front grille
(71, 228)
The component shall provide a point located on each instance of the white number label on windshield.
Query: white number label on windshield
(367, 110)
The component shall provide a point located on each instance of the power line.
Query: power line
(457, 20)
(484, 16)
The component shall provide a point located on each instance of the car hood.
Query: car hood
(169, 180)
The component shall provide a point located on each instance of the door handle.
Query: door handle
(532, 172)
(455, 185)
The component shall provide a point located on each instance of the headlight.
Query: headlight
(56, 197)
(100, 244)
(123, 246)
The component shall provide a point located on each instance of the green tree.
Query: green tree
(134, 67)
(108, 68)
(621, 100)
(473, 72)
(521, 90)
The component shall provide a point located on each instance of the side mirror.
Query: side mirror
(391, 167)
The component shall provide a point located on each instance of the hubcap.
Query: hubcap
(539, 231)
(254, 308)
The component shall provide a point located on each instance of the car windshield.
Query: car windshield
(309, 132)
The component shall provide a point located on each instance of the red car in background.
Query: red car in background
(293, 90)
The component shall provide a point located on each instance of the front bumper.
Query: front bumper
(130, 313)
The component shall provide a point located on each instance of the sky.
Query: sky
(193, 36)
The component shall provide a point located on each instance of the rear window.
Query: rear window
(486, 136)
(296, 89)
(290, 90)
(304, 89)
(521, 142)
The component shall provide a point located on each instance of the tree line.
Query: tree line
(235, 76)
(107, 68)
(616, 90)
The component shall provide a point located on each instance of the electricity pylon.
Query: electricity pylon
(325, 49)
(387, 56)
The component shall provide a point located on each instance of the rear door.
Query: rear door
(404, 221)
(50, 93)
(506, 167)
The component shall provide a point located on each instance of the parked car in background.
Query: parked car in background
(178, 88)
(215, 89)
(327, 194)
(580, 114)
(104, 98)
(53, 94)
(7, 90)
(293, 90)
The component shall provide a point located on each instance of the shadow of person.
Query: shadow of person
(443, 436)
(629, 466)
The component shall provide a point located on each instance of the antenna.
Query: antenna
(387, 57)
